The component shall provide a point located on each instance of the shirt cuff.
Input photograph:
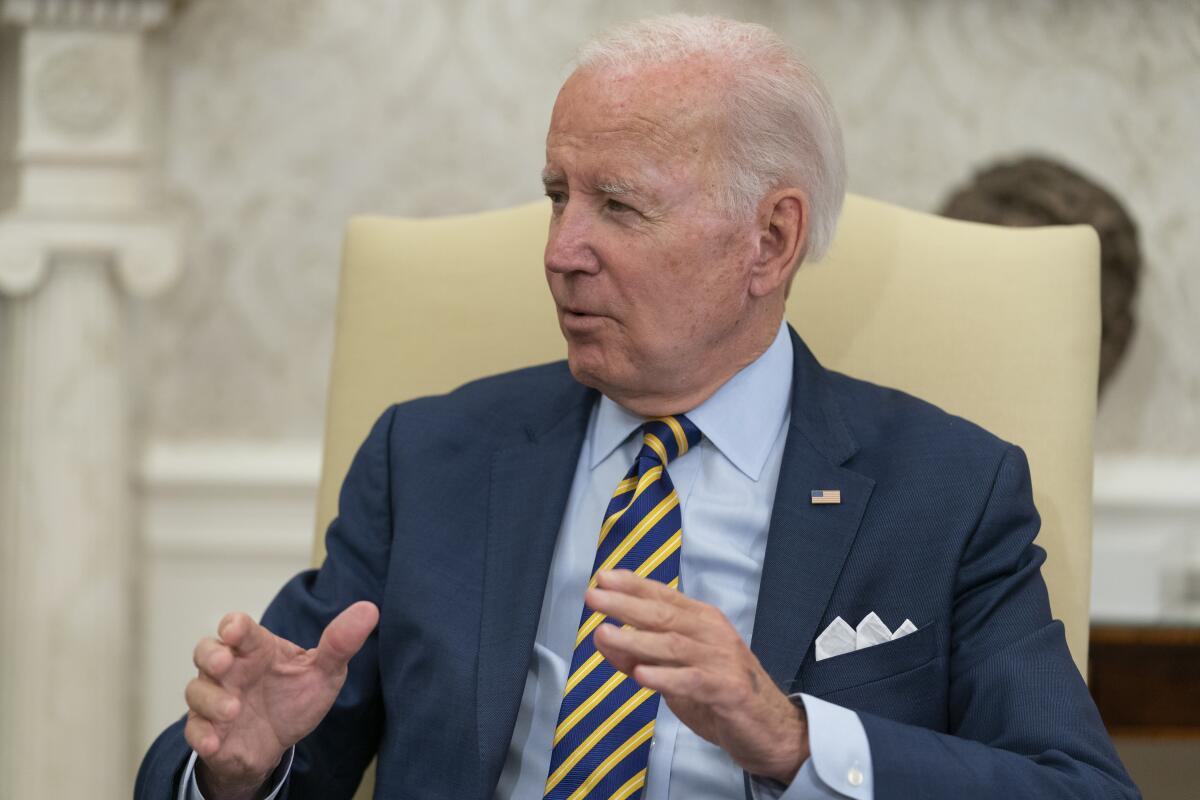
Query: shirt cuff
(188, 790)
(839, 763)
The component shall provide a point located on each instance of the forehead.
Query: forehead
(665, 115)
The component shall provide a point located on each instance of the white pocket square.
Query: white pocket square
(840, 638)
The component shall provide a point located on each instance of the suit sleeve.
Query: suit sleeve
(329, 762)
(1022, 723)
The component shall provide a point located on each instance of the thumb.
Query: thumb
(345, 635)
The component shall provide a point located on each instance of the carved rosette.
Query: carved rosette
(76, 92)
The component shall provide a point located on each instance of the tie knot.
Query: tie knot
(667, 438)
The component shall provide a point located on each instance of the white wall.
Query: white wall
(284, 117)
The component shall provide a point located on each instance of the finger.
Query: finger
(646, 613)
(687, 683)
(242, 633)
(629, 582)
(620, 659)
(212, 658)
(201, 735)
(628, 647)
(210, 701)
(345, 635)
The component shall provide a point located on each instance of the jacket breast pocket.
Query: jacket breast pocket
(870, 664)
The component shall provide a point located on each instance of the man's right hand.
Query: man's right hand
(258, 694)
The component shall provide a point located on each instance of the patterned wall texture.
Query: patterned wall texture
(283, 117)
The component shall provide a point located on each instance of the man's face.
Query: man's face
(649, 275)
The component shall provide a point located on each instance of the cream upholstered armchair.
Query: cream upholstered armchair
(998, 325)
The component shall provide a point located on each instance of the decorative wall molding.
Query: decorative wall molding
(1147, 484)
(223, 525)
(104, 14)
(214, 510)
(196, 498)
(1146, 553)
(229, 499)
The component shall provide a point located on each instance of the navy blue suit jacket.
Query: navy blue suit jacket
(448, 519)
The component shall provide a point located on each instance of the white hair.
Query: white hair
(782, 127)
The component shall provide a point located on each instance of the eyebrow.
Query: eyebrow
(613, 186)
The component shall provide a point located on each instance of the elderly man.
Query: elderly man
(509, 609)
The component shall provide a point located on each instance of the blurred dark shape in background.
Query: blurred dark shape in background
(1037, 191)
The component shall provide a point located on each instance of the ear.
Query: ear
(782, 231)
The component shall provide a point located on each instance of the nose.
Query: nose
(569, 245)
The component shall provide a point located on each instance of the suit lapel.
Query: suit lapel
(530, 484)
(807, 544)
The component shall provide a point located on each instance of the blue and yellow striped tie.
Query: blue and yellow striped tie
(602, 741)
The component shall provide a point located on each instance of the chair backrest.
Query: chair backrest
(999, 325)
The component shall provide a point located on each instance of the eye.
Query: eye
(557, 199)
(616, 205)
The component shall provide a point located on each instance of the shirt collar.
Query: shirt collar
(741, 419)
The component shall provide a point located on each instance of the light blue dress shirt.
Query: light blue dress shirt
(726, 490)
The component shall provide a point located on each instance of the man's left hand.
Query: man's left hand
(691, 654)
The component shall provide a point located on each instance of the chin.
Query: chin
(583, 372)
(589, 367)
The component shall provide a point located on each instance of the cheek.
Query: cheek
(664, 292)
(553, 283)
(707, 284)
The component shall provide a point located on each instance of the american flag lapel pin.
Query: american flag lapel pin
(823, 497)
